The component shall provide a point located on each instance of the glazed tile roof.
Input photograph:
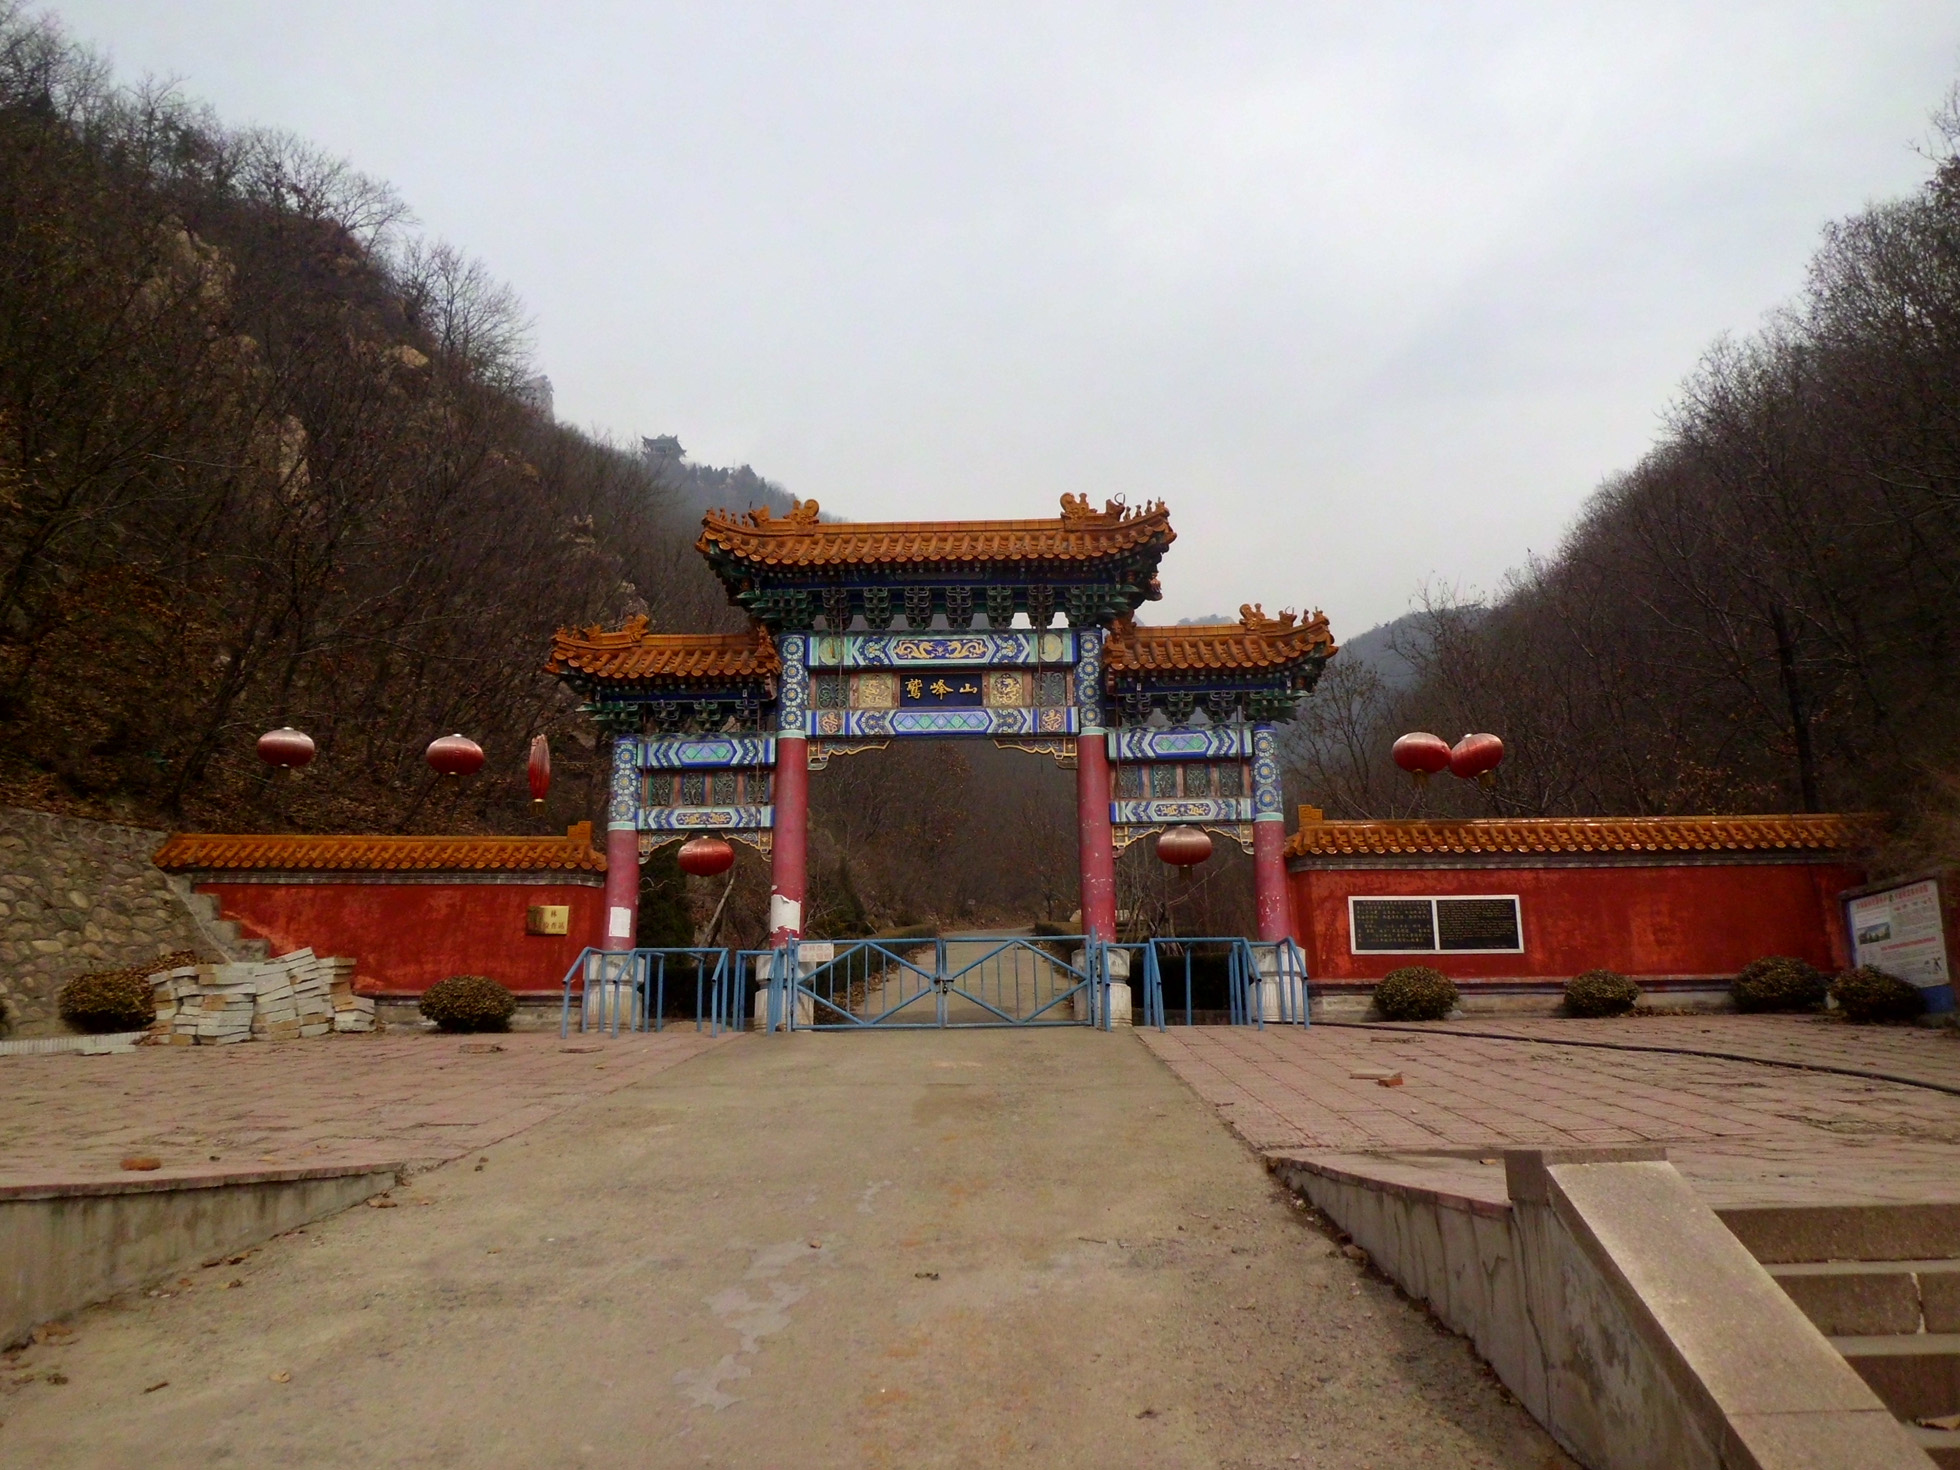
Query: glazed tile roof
(234, 852)
(800, 541)
(1254, 642)
(632, 653)
(1527, 835)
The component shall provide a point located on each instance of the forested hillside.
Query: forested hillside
(262, 462)
(1759, 616)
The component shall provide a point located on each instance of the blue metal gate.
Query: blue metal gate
(942, 983)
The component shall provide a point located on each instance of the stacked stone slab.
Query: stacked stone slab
(294, 997)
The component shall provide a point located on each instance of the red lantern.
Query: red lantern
(1184, 847)
(703, 857)
(286, 747)
(455, 755)
(1422, 755)
(540, 770)
(1477, 757)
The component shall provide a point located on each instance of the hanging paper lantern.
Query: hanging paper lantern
(540, 769)
(1477, 757)
(1422, 755)
(286, 747)
(1184, 847)
(703, 857)
(455, 755)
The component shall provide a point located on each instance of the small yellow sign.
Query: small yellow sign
(548, 918)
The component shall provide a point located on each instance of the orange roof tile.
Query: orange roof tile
(234, 852)
(1254, 642)
(800, 540)
(1529, 835)
(632, 653)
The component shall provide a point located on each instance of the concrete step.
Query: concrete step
(1776, 1234)
(1875, 1298)
(1941, 1445)
(1916, 1374)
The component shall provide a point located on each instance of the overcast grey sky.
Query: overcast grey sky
(1373, 295)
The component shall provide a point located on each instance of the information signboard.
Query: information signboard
(1902, 931)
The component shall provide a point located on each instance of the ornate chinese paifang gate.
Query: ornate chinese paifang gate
(1022, 632)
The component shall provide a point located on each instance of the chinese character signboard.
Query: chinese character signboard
(1902, 931)
(942, 689)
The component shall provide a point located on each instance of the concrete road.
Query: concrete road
(905, 1249)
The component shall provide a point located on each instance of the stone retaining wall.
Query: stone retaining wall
(75, 896)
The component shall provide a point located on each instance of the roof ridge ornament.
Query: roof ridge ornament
(1076, 510)
(1252, 618)
(801, 513)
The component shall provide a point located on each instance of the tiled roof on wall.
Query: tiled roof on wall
(1254, 642)
(632, 653)
(1551, 835)
(234, 852)
(800, 540)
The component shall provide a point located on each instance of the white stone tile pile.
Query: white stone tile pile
(291, 997)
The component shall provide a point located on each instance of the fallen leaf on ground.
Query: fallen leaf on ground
(142, 1161)
(382, 1202)
(282, 1377)
(163, 1383)
(926, 1275)
(1939, 1421)
(57, 1378)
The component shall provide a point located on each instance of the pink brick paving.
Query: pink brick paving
(1744, 1131)
(412, 1099)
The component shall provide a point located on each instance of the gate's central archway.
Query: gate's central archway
(1166, 726)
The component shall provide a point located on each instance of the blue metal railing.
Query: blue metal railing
(629, 987)
(1265, 980)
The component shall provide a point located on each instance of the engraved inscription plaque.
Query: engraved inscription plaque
(1477, 924)
(1385, 925)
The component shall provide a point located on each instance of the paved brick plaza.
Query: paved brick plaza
(1743, 1131)
(395, 1098)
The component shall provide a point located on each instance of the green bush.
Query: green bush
(1415, 993)
(1600, 993)
(1867, 994)
(469, 1003)
(111, 1000)
(1779, 983)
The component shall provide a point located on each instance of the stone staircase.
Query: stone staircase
(223, 935)
(1882, 1282)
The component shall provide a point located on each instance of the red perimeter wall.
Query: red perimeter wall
(406, 936)
(1647, 921)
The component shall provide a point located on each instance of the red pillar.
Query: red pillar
(622, 888)
(620, 921)
(1096, 848)
(787, 857)
(1273, 903)
(1269, 875)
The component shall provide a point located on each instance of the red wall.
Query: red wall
(1642, 921)
(406, 936)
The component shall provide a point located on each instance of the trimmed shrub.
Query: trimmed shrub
(1415, 993)
(110, 1000)
(469, 1003)
(1867, 994)
(1600, 993)
(1779, 983)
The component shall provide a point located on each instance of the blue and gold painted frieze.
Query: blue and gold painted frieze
(879, 724)
(1181, 809)
(706, 818)
(703, 752)
(1180, 743)
(955, 650)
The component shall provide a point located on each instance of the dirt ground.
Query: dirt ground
(908, 1249)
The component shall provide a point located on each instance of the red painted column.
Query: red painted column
(788, 862)
(620, 921)
(787, 856)
(1095, 845)
(1274, 904)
